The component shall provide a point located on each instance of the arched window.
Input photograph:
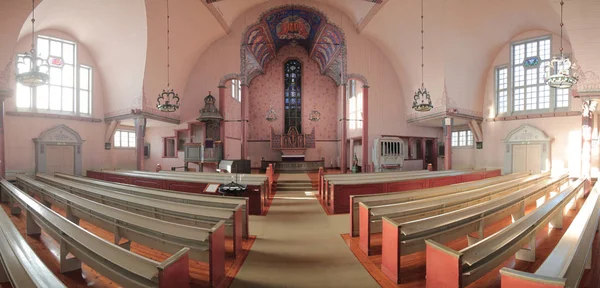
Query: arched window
(293, 95)
(70, 87)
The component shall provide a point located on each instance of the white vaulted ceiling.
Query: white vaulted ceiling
(126, 38)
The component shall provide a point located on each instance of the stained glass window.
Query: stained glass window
(293, 95)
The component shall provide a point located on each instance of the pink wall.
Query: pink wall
(20, 130)
(565, 131)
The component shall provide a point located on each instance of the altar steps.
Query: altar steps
(294, 185)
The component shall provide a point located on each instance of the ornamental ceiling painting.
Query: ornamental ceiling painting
(293, 25)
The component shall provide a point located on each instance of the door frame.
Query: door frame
(60, 135)
(527, 134)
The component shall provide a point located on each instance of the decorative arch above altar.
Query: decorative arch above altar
(293, 25)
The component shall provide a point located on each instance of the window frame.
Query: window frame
(124, 131)
(355, 98)
(456, 139)
(76, 100)
(236, 89)
(510, 85)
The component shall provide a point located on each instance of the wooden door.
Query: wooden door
(519, 158)
(534, 152)
(60, 159)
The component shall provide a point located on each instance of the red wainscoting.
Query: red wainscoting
(257, 195)
(337, 197)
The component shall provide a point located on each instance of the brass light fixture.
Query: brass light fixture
(422, 99)
(558, 72)
(31, 70)
(168, 100)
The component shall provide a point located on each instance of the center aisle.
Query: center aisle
(298, 245)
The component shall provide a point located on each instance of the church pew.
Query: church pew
(112, 261)
(564, 266)
(193, 215)
(251, 180)
(372, 217)
(167, 195)
(205, 244)
(328, 178)
(391, 198)
(401, 237)
(19, 265)
(446, 267)
(340, 193)
(257, 197)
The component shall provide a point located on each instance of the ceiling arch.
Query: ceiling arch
(296, 25)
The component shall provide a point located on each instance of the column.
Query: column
(587, 125)
(344, 153)
(447, 144)
(365, 129)
(140, 129)
(351, 153)
(244, 121)
(222, 110)
(3, 95)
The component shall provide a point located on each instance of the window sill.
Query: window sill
(53, 116)
(124, 148)
(170, 157)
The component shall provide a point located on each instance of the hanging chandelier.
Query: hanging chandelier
(31, 70)
(168, 100)
(422, 99)
(558, 71)
(271, 115)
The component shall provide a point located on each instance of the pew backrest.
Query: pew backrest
(22, 267)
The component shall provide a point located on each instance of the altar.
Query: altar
(292, 146)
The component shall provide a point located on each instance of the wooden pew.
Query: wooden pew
(253, 181)
(328, 178)
(340, 192)
(256, 191)
(372, 217)
(406, 237)
(205, 245)
(571, 256)
(167, 195)
(112, 261)
(449, 268)
(193, 215)
(19, 264)
(376, 200)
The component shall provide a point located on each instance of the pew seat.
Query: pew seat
(112, 261)
(565, 265)
(193, 215)
(446, 267)
(19, 264)
(402, 237)
(205, 244)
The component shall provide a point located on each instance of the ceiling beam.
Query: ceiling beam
(360, 26)
(217, 14)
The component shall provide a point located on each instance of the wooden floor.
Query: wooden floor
(48, 250)
(413, 266)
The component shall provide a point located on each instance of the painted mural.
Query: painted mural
(296, 25)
